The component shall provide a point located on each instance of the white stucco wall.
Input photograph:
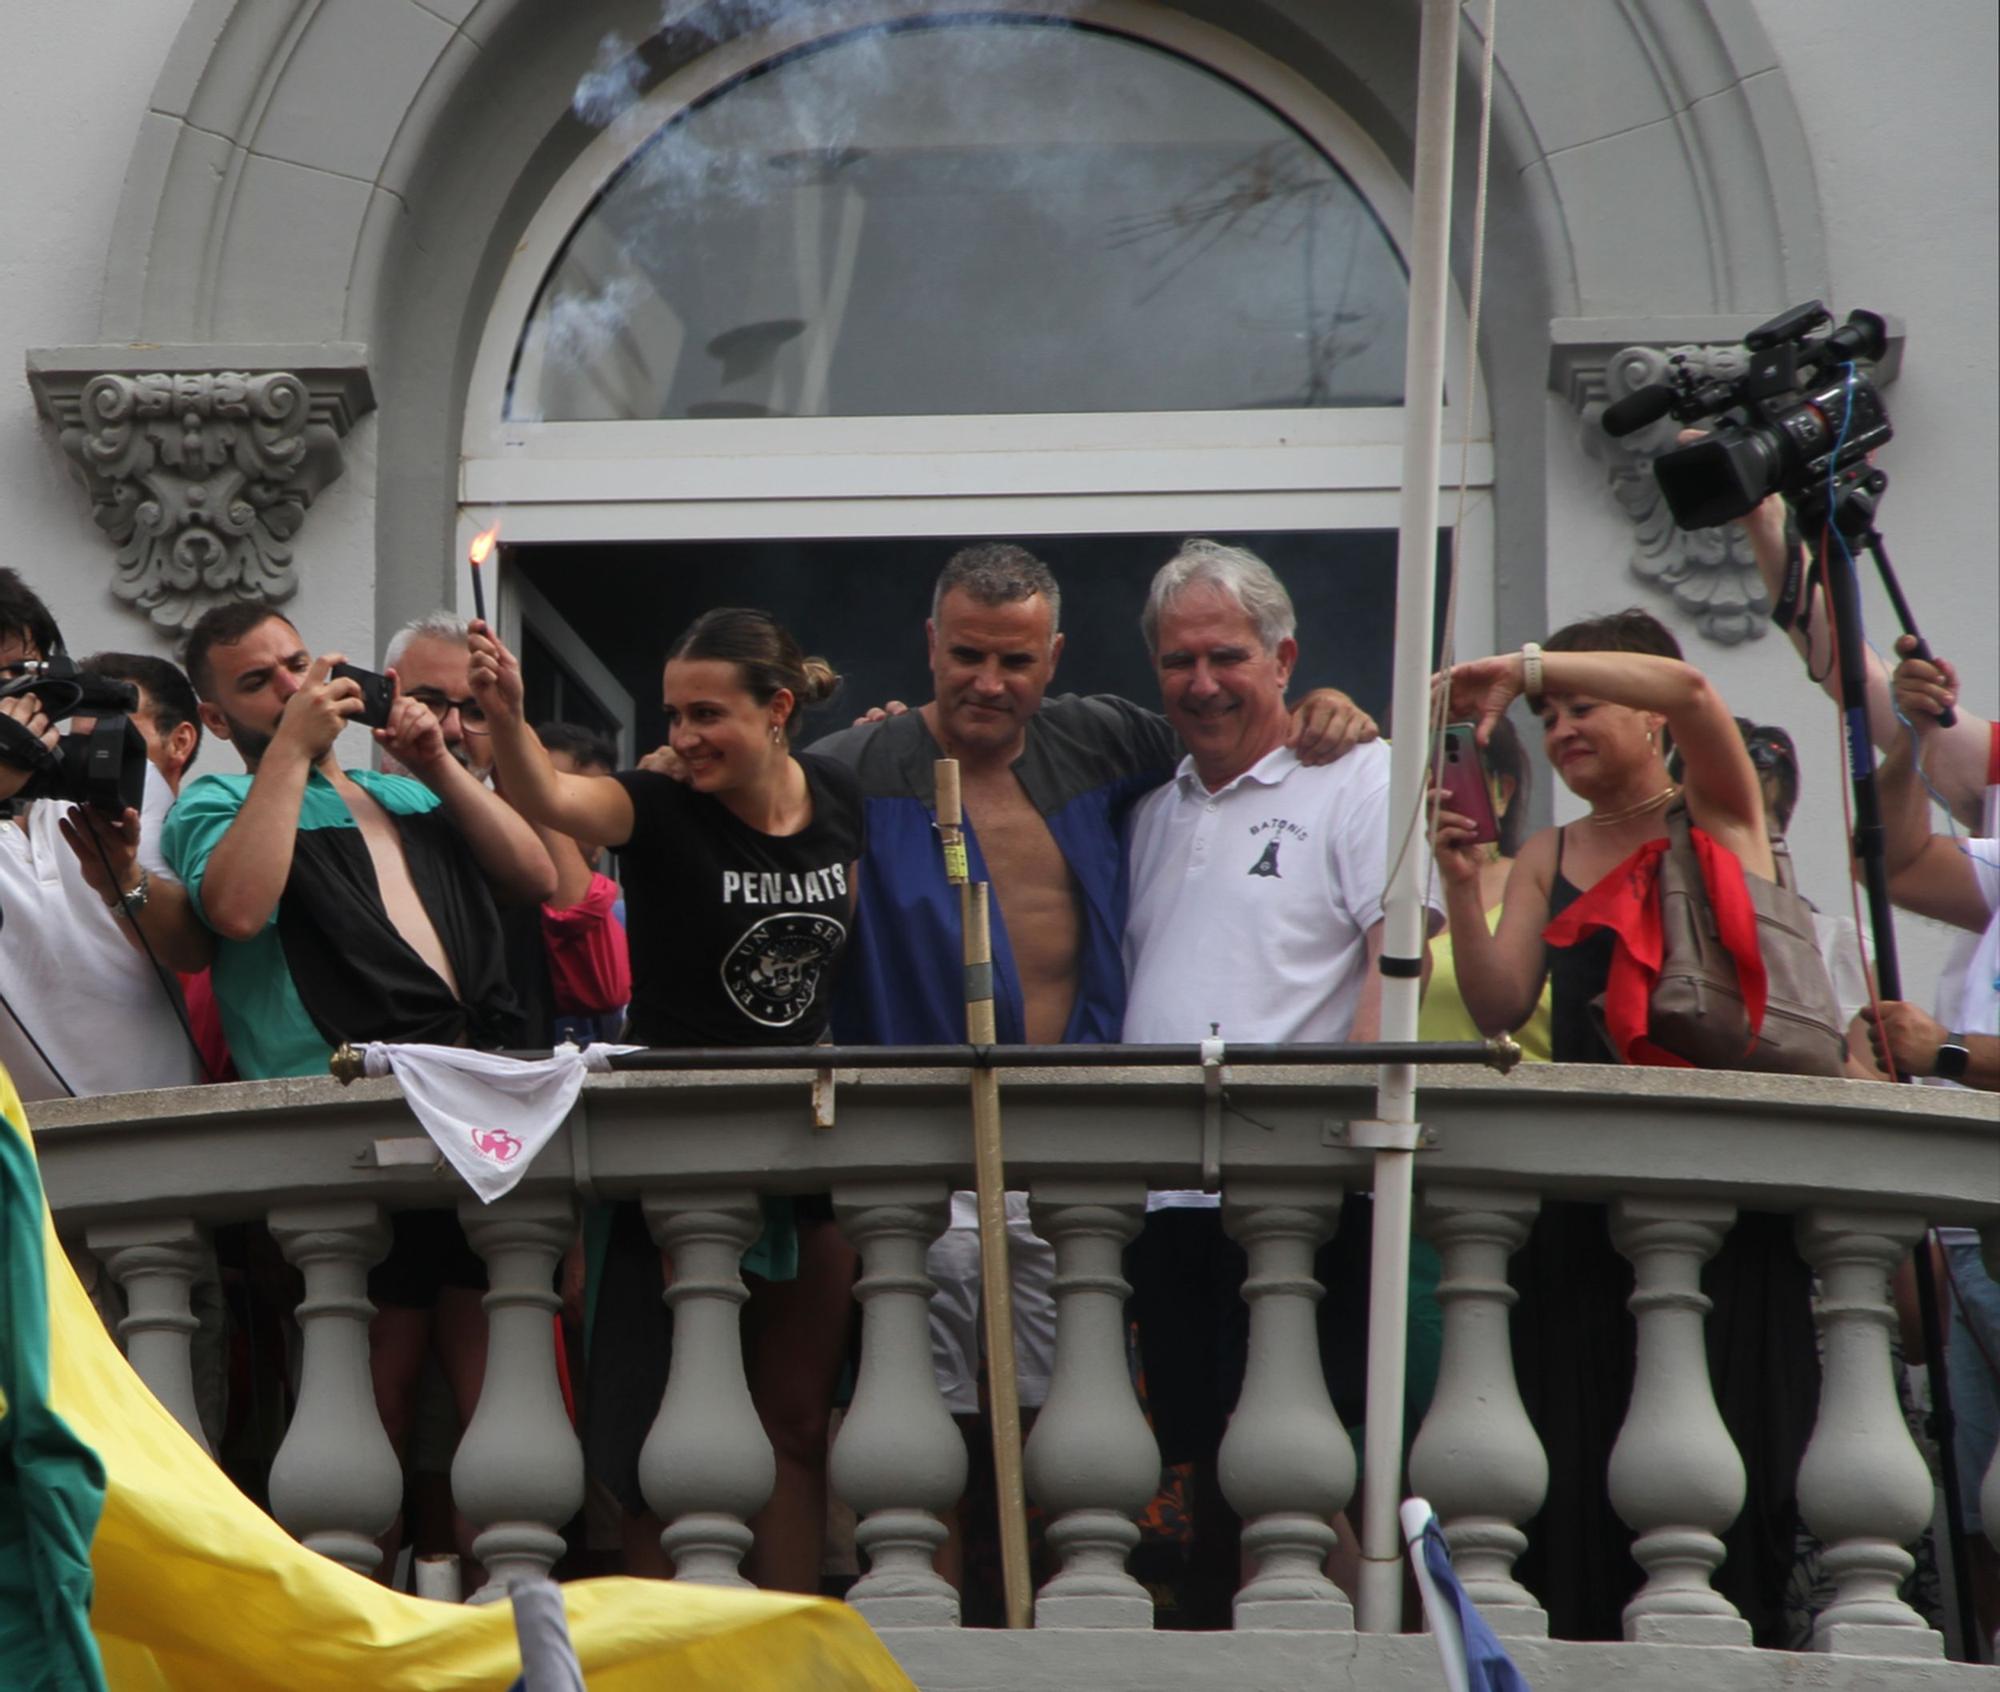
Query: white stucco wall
(75, 82)
(1901, 121)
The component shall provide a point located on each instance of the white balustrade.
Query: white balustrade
(335, 1482)
(155, 1262)
(518, 1473)
(1286, 1464)
(1676, 1478)
(1863, 1486)
(706, 1466)
(1477, 1458)
(1092, 1463)
(898, 1460)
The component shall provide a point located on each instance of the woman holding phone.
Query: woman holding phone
(738, 886)
(1615, 698)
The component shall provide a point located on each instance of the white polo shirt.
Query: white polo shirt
(1250, 907)
(86, 992)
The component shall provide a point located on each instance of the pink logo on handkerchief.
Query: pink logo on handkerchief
(497, 1144)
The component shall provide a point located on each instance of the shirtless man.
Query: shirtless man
(350, 905)
(1046, 784)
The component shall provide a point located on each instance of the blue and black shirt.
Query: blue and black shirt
(1085, 763)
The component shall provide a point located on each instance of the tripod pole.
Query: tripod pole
(1844, 599)
(996, 1281)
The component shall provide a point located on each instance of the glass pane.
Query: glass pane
(973, 217)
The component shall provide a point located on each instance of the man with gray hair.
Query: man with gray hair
(1257, 886)
(1047, 784)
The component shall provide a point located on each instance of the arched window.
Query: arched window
(842, 292)
(973, 216)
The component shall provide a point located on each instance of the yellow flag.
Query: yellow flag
(197, 1590)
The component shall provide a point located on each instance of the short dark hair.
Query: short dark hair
(222, 625)
(998, 573)
(22, 613)
(1506, 756)
(1630, 630)
(584, 745)
(172, 696)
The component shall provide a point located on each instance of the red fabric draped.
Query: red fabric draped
(1626, 901)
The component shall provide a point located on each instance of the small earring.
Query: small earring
(777, 735)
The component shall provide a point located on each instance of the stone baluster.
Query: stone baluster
(335, 1483)
(1477, 1458)
(1676, 1478)
(1092, 1463)
(1989, 1489)
(898, 1460)
(1863, 1487)
(155, 1262)
(518, 1474)
(706, 1467)
(1286, 1465)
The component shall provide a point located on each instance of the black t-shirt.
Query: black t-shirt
(735, 934)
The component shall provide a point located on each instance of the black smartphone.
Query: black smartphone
(1466, 788)
(378, 693)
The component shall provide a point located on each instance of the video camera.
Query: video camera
(1794, 422)
(104, 768)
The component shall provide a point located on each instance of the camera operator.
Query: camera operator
(1945, 878)
(83, 895)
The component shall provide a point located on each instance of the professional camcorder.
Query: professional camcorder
(1799, 422)
(104, 768)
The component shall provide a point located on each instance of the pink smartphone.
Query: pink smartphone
(1466, 788)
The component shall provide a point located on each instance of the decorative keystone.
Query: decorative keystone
(201, 462)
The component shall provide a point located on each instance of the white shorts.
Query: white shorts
(956, 1330)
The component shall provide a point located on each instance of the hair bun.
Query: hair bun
(820, 679)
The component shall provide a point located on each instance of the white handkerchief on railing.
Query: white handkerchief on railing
(489, 1115)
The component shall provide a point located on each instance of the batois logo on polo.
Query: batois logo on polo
(1278, 828)
(773, 972)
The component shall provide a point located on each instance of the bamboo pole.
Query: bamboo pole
(996, 1281)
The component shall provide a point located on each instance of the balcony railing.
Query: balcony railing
(1675, 1155)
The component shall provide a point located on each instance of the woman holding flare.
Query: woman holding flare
(738, 894)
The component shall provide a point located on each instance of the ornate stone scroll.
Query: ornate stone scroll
(202, 477)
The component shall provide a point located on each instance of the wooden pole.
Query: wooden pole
(990, 1179)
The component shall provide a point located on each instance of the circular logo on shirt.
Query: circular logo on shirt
(773, 972)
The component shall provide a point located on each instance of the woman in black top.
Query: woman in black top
(738, 897)
(1616, 698)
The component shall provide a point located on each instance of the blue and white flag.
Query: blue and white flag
(1474, 1658)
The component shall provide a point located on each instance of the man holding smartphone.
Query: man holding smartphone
(347, 905)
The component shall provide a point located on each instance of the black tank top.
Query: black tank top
(1577, 974)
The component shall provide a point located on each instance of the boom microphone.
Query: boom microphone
(1637, 409)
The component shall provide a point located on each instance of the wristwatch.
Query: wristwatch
(1952, 1057)
(1531, 675)
(134, 902)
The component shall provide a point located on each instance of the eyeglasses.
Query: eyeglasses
(1770, 754)
(471, 714)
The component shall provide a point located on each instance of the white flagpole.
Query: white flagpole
(1381, 1593)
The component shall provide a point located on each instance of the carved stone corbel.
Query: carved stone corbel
(202, 462)
(1708, 573)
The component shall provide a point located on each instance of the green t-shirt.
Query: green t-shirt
(270, 1032)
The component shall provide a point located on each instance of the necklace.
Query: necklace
(1605, 819)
